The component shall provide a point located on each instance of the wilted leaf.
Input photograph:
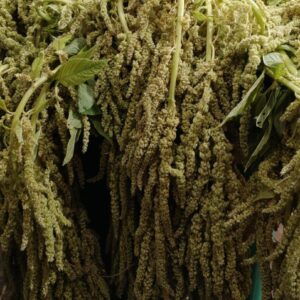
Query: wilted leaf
(60, 42)
(261, 146)
(75, 46)
(37, 66)
(71, 146)
(260, 120)
(85, 97)
(100, 130)
(74, 124)
(74, 120)
(244, 104)
(78, 70)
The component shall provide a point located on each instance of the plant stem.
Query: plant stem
(122, 16)
(23, 103)
(209, 32)
(287, 83)
(176, 56)
(259, 16)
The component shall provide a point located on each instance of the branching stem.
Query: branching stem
(23, 103)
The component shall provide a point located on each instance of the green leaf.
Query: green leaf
(273, 60)
(3, 105)
(78, 70)
(260, 148)
(287, 48)
(74, 124)
(75, 46)
(71, 146)
(85, 53)
(264, 114)
(37, 66)
(74, 120)
(85, 97)
(60, 42)
(93, 111)
(86, 100)
(247, 100)
(100, 130)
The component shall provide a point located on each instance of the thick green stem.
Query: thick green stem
(122, 16)
(259, 16)
(209, 32)
(23, 103)
(176, 56)
(287, 83)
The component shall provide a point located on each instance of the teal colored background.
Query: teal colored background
(256, 292)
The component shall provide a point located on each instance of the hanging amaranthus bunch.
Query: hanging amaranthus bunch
(198, 105)
(47, 248)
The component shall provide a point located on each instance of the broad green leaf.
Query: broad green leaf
(259, 150)
(100, 130)
(264, 114)
(248, 98)
(273, 60)
(78, 70)
(85, 97)
(37, 66)
(3, 105)
(60, 42)
(85, 53)
(86, 101)
(75, 46)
